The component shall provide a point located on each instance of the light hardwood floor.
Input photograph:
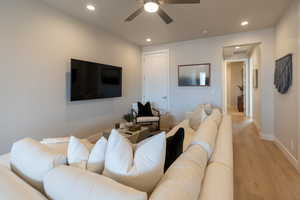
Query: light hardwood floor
(261, 170)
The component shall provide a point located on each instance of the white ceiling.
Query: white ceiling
(219, 17)
(244, 51)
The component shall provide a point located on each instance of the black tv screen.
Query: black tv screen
(94, 81)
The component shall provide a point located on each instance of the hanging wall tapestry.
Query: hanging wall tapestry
(283, 77)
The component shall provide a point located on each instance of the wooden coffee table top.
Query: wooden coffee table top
(133, 136)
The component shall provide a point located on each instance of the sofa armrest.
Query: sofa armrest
(224, 147)
(219, 173)
(155, 112)
(32, 160)
(12, 187)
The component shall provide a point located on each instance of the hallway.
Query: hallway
(261, 170)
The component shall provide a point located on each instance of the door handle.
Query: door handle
(165, 97)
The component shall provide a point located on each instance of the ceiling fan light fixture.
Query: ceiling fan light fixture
(151, 6)
(244, 23)
(91, 7)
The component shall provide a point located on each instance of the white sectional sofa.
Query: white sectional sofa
(193, 176)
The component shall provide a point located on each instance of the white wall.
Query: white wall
(211, 50)
(285, 106)
(298, 75)
(37, 43)
(255, 61)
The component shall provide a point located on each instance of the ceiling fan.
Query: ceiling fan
(153, 6)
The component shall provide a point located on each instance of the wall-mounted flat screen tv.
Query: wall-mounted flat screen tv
(94, 81)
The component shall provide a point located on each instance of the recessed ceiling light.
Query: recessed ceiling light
(91, 7)
(151, 6)
(148, 40)
(244, 23)
(237, 47)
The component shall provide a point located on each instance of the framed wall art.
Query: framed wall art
(198, 75)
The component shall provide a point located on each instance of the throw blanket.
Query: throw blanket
(283, 76)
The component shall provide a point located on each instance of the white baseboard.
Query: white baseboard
(263, 136)
(286, 153)
(256, 124)
(267, 137)
(282, 148)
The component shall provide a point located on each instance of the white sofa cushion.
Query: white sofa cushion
(223, 150)
(56, 140)
(206, 136)
(32, 160)
(208, 109)
(14, 188)
(69, 183)
(84, 155)
(140, 168)
(216, 116)
(61, 148)
(218, 183)
(197, 117)
(183, 179)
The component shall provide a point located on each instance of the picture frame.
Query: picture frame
(255, 78)
(194, 75)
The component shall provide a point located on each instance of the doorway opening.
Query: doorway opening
(236, 85)
(241, 74)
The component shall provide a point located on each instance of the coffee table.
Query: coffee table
(133, 136)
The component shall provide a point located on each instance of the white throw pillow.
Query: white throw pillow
(84, 155)
(140, 167)
(97, 156)
(69, 183)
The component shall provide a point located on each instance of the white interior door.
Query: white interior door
(156, 79)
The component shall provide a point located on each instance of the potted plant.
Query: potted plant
(129, 117)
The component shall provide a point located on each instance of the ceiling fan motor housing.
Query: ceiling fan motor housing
(154, 1)
(153, 6)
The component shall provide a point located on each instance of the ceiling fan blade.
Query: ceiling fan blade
(134, 15)
(180, 1)
(167, 19)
